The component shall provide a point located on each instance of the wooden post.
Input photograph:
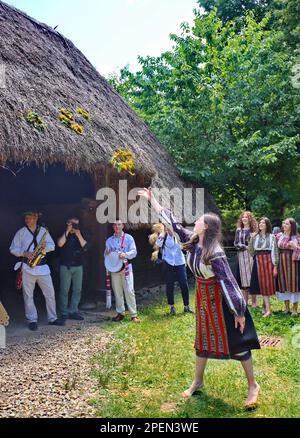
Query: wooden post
(101, 179)
(93, 272)
(96, 273)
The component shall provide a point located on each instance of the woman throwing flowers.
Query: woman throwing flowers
(224, 328)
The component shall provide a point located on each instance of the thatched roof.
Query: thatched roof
(45, 71)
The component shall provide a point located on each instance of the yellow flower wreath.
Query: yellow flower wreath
(123, 160)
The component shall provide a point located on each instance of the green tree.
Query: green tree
(235, 9)
(287, 18)
(223, 104)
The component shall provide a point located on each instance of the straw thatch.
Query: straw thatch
(43, 72)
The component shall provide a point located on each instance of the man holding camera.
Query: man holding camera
(73, 245)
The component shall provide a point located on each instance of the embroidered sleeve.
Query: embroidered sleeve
(281, 241)
(168, 219)
(296, 252)
(251, 248)
(231, 291)
(237, 241)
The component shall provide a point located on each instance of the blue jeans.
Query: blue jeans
(174, 273)
(68, 276)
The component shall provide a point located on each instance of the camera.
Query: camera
(75, 226)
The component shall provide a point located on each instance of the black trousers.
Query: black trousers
(178, 273)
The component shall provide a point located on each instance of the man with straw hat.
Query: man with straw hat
(24, 245)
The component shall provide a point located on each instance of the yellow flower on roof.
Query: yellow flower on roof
(65, 120)
(66, 113)
(84, 113)
(123, 160)
(77, 128)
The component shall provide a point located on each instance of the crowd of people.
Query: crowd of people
(33, 242)
(268, 264)
(224, 327)
(268, 261)
(30, 245)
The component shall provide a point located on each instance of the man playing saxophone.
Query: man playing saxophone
(31, 243)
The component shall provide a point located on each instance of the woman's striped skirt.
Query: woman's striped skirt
(288, 272)
(262, 279)
(245, 268)
(216, 335)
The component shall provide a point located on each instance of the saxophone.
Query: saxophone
(39, 252)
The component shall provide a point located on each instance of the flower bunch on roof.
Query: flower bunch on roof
(66, 113)
(84, 113)
(77, 128)
(67, 119)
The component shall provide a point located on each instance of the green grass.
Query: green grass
(145, 369)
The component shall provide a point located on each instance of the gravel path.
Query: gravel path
(47, 374)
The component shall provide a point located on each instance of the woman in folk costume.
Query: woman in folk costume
(288, 269)
(224, 328)
(246, 225)
(263, 247)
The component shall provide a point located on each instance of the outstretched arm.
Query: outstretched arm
(147, 194)
(166, 216)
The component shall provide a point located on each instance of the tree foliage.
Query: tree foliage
(236, 9)
(223, 103)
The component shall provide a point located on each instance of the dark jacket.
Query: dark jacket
(72, 253)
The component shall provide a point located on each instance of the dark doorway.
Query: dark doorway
(55, 192)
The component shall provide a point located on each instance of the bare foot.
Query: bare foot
(286, 312)
(267, 314)
(295, 313)
(193, 388)
(253, 392)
